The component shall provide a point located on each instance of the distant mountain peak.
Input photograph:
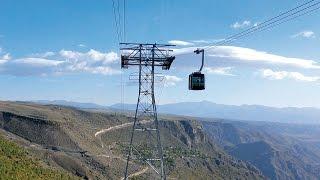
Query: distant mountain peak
(208, 109)
(72, 104)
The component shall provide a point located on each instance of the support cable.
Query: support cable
(269, 20)
(284, 17)
(270, 25)
(116, 21)
(124, 21)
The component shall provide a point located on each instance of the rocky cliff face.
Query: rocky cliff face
(65, 138)
(37, 130)
(189, 132)
(280, 151)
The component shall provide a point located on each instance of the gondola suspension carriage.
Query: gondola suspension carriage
(197, 79)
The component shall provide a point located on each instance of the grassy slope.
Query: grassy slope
(15, 163)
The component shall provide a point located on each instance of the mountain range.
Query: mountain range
(206, 109)
(94, 145)
(88, 143)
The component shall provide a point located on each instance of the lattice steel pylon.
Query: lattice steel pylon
(147, 147)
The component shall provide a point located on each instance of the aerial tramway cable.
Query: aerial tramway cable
(124, 39)
(269, 20)
(268, 24)
(121, 36)
(116, 21)
(124, 21)
(197, 79)
(301, 10)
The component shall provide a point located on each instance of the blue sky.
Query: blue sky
(68, 50)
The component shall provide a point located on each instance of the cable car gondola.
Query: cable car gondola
(197, 79)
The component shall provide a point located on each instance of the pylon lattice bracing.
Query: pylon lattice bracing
(148, 147)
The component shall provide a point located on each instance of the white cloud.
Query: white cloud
(171, 80)
(48, 54)
(91, 55)
(180, 43)
(234, 56)
(92, 61)
(240, 25)
(37, 62)
(304, 34)
(63, 62)
(225, 71)
(2, 61)
(31, 67)
(104, 70)
(251, 55)
(202, 41)
(6, 57)
(280, 75)
(82, 45)
(43, 55)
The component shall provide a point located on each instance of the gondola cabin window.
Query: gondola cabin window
(196, 81)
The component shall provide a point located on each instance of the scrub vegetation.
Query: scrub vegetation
(17, 163)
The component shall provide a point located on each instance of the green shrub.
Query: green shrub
(15, 163)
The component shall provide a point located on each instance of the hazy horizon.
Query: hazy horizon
(133, 103)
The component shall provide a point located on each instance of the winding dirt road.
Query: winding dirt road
(142, 171)
(118, 127)
(112, 128)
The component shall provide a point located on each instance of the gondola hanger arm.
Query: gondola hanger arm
(198, 51)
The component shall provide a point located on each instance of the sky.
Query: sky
(68, 50)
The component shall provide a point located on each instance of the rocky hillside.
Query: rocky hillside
(80, 142)
(280, 151)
